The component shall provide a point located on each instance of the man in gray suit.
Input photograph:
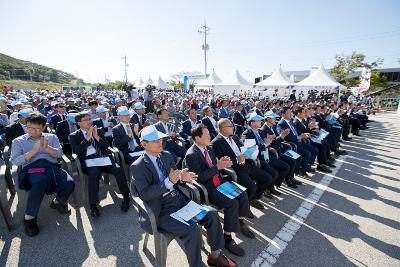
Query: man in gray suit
(159, 183)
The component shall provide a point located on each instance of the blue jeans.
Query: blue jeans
(40, 183)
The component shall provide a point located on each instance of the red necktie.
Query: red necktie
(215, 178)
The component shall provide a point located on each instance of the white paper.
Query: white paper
(292, 154)
(90, 150)
(249, 142)
(136, 154)
(189, 211)
(240, 186)
(315, 139)
(97, 162)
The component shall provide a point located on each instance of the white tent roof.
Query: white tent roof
(236, 79)
(139, 83)
(150, 81)
(277, 80)
(161, 84)
(211, 80)
(319, 79)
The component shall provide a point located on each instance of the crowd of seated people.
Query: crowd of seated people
(289, 140)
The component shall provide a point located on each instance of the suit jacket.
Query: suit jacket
(283, 125)
(160, 127)
(223, 113)
(300, 126)
(13, 131)
(56, 118)
(206, 121)
(277, 143)
(239, 118)
(63, 132)
(135, 119)
(147, 183)
(197, 163)
(79, 144)
(186, 128)
(222, 148)
(100, 124)
(121, 139)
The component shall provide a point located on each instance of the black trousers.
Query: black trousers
(254, 179)
(294, 165)
(322, 152)
(190, 234)
(283, 169)
(233, 208)
(94, 175)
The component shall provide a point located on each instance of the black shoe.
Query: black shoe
(330, 164)
(275, 192)
(331, 160)
(309, 169)
(357, 134)
(303, 174)
(342, 152)
(291, 184)
(31, 227)
(94, 211)
(234, 248)
(296, 182)
(125, 204)
(324, 168)
(268, 194)
(246, 231)
(347, 138)
(256, 204)
(61, 208)
(251, 215)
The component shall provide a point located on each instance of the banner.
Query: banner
(185, 84)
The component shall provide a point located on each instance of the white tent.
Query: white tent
(319, 80)
(277, 80)
(150, 81)
(161, 84)
(233, 84)
(139, 83)
(208, 83)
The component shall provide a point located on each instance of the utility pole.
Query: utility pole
(205, 47)
(126, 70)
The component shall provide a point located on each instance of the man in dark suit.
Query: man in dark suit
(64, 129)
(307, 152)
(239, 119)
(201, 160)
(17, 128)
(223, 111)
(124, 136)
(250, 176)
(277, 168)
(139, 117)
(188, 124)
(58, 116)
(170, 145)
(89, 143)
(269, 129)
(105, 124)
(210, 121)
(323, 149)
(159, 183)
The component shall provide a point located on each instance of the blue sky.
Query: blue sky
(88, 38)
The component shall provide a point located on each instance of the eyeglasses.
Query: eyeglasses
(87, 119)
(230, 126)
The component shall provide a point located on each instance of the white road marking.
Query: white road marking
(271, 253)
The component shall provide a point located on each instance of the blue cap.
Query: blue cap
(25, 112)
(3, 99)
(255, 117)
(101, 109)
(123, 111)
(118, 100)
(150, 133)
(15, 102)
(205, 107)
(139, 105)
(271, 114)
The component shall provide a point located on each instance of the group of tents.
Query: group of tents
(319, 79)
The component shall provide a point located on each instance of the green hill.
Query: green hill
(17, 69)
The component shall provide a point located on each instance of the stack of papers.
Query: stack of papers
(231, 189)
(292, 154)
(250, 149)
(191, 213)
(323, 134)
(98, 162)
(315, 139)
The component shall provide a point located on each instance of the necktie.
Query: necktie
(162, 168)
(259, 139)
(215, 178)
(292, 128)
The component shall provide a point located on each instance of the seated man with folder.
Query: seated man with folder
(91, 147)
(201, 160)
(160, 185)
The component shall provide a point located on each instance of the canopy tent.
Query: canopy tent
(160, 84)
(233, 84)
(208, 83)
(319, 80)
(150, 81)
(139, 83)
(277, 80)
